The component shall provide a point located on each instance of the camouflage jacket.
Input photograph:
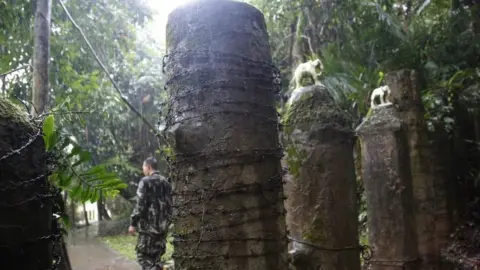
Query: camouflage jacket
(153, 210)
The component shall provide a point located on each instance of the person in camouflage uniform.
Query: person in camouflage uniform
(151, 216)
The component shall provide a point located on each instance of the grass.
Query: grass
(125, 245)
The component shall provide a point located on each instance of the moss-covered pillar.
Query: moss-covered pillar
(321, 202)
(223, 130)
(25, 205)
(388, 190)
(429, 186)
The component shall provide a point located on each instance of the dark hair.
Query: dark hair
(152, 162)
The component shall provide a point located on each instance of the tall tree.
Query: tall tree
(41, 52)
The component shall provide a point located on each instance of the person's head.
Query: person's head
(150, 165)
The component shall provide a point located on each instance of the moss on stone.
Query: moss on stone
(369, 113)
(294, 159)
(11, 112)
(385, 117)
(314, 110)
(315, 107)
(316, 232)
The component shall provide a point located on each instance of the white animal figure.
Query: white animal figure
(381, 94)
(308, 69)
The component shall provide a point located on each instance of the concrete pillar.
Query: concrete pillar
(429, 184)
(223, 130)
(321, 201)
(389, 194)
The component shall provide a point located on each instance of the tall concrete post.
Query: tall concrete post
(322, 214)
(223, 130)
(389, 194)
(429, 185)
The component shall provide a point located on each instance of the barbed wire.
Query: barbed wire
(20, 149)
(198, 200)
(192, 201)
(366, 251)
(20, 194)
(402, 264)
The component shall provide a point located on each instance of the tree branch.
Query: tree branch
(282, 43)
(309, 42)
(13, 70)
(130, 106)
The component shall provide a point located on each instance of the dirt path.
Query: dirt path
(87, 252)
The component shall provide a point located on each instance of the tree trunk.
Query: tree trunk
(4, 86)
(85, 215)
(293, 33)
(100, 207)
(25, 203)
(73, 211)
(41, 52)
(223, 130)
(298, 48)
(102, 211)
(313, 31)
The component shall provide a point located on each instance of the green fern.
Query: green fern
(72, 172)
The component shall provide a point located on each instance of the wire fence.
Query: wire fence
(216, 207)
(228, 191)
(29, 204)
(215, 196)
(228, 183)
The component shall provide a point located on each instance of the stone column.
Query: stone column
(429, 185)
(388, 189)
(223, 130)
(322, 214)
(25, 195)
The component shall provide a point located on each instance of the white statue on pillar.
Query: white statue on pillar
(305, 70)
(380, 95)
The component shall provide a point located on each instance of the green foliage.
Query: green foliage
(72, 172)
(360, 41)
(294, 160)
(9, 110)
(49, 135)
(92, 115)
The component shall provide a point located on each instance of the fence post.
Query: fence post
(322, 214)
(388, 189)
(223, 130)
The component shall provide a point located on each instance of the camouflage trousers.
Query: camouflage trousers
(150, 247)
